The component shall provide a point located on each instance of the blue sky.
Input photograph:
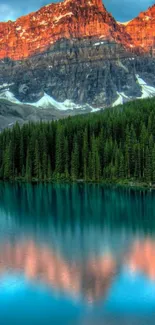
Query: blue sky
(122, 10)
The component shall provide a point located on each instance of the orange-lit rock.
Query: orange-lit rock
(142, 29)
(70, 19)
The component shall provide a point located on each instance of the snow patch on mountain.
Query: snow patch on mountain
(6, 94)
(124, 23)
(6, 85)
(147, 91)
(48, 102)
(98, 43)
(121, 99)
(94, 110)
(147, 18)
(57, 19)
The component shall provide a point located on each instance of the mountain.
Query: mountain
(70, 19)
(12, 111)
(73, 57)
(142, 29)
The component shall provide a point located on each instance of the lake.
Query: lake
(76, 254)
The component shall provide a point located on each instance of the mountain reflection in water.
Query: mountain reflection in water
(91, 279)
(86, 250)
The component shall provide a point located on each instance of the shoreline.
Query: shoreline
(130, 184)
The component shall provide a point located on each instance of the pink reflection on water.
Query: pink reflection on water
(141, 257)
(91, 278)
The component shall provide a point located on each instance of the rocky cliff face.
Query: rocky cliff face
(142, 30)
(70, 19)
(82, 71)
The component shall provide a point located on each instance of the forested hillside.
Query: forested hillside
(116, 144)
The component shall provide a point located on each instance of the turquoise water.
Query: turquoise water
(76, 254)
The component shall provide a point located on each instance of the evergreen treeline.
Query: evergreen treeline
(118, 143)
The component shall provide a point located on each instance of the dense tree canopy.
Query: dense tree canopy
(117, 143)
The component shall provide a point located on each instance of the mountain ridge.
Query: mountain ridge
(37, 31)
(142, 29)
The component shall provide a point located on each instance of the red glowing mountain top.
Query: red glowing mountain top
(70, 19)
(142, 29)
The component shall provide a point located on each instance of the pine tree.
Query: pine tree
(121, 166)
(49, 170)
(143, 143)
(36, 161)
(147, 170)
(60, 153)
(127, 152)
(67, 164)
(101, 148)
(28, 175)
(75, 161)
(153, 165)
(7, 162)
(21, 163)
(96, 168)
(85, 154)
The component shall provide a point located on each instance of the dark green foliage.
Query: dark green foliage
(118, 143)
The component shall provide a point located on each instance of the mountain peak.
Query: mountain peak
(141, 29)
(39, 30)
(96, 3)
(151, 9)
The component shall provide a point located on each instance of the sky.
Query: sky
(122, 10)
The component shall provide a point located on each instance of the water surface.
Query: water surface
(76, 254)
